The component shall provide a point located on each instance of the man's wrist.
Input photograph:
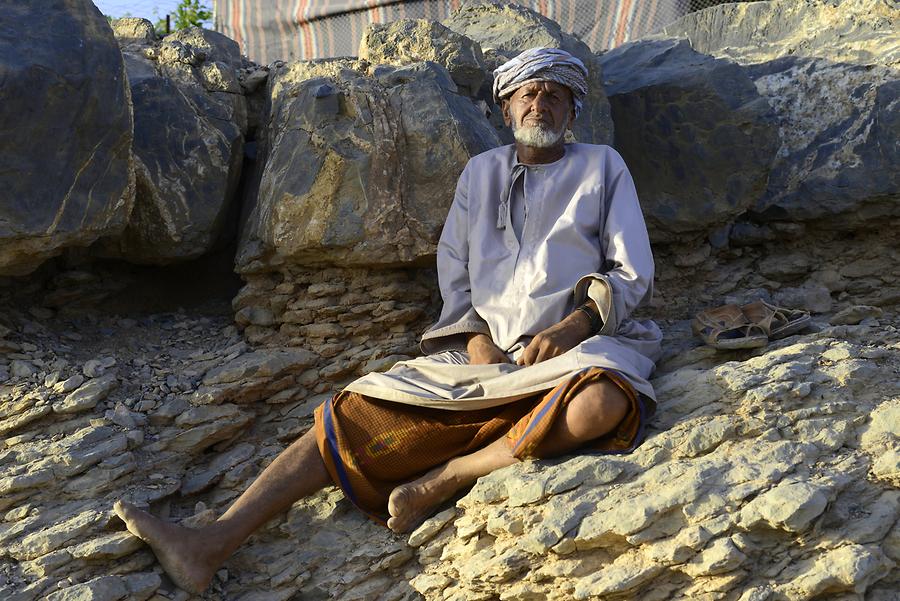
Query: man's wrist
(476, 337)
(590, 312)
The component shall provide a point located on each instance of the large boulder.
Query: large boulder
(190, 114)
(361, 165)
(67, 177)
(416, 40)
(829, 70)
(697, 136)
(505, 29)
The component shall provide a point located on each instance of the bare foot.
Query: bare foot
(181, 553)
(411, 503)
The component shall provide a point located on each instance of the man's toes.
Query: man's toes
(130, 515)
(394, 524)
(398, 501)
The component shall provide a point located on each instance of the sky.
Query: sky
(149, 9)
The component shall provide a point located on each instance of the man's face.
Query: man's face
(539, 113)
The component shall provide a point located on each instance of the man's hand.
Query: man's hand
(557, 339)
(483, 351)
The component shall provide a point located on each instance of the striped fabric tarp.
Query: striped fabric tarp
(269, 30)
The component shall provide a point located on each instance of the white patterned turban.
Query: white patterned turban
(542, 64)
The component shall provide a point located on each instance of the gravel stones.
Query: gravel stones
(87, 396)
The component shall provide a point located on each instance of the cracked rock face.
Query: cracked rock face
(767, 474)
(689, 126)
(67, 176)
(829, 72)
(381, 150)
(415, 40)
(189, 125)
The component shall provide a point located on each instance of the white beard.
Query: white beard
(537, 135)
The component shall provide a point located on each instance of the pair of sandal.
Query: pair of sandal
(731, 327)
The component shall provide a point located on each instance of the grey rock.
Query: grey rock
(96, 367)
(104, 588)
(257, 316)
(133, 30)
(208, 425)
(269, 363)
(142, 586)
(55, 536)
(168, 411)
(812, 297)
(87, 396)
(69, 384)
(697, 136)
(90, 192)
(20, 368)
(855, 314)
(87, 447)
(415, 40)
(383, 152)
(110, 546)
(430, 528)
(839, 163)
(189, 117)
(121, 416)
(200, 480)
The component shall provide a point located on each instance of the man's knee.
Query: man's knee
(597, 409)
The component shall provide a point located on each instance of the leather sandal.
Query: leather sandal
(727, 328)
(777, 322)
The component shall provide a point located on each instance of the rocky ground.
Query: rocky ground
(768, 474)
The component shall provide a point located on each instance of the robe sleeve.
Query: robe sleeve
(626, 279)
(457, 315)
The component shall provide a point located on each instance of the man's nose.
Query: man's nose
(540, 103)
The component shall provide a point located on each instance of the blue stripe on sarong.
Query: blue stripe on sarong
(331, 436)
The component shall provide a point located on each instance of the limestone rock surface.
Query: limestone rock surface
(769, 474)
(381, 149)
(190, 116)
(504, 29)
(759, 480)
(67, 176)
(766, 475)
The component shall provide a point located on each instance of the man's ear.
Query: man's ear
(571, 117)
(504, 110)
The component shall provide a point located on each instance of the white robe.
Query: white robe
(584, 237)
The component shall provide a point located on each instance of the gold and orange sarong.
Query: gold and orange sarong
(371, 446)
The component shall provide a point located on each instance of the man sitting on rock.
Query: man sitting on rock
(542, 259)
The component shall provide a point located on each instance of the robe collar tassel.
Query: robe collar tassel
(503, 209)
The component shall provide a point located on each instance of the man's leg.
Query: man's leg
(191, 557)
(593, 412)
